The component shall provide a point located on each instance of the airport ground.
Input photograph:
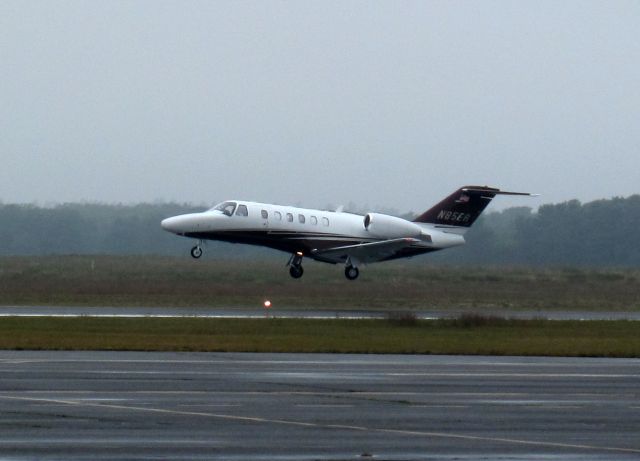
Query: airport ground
(80, 405)
(466, 299)
(131, 405)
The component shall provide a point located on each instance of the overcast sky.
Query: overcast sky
(388, 104)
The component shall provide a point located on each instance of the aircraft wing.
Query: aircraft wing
(365, 252)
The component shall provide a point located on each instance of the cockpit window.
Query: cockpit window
(226, 207)
(242, 210)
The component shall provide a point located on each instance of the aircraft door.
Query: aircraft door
(264, 214)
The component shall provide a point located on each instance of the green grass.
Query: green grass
(183, 282)
(465, 335)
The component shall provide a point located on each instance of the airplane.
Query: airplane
(337, 237)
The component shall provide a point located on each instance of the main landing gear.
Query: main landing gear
(196, 251)
(351, 272)
(295, 265)
(296, 271)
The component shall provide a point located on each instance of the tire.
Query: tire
(296, 271)
(351, 272)
(196, 252)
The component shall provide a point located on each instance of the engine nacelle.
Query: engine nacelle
(390, 227)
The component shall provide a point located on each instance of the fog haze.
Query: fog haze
(387, 104)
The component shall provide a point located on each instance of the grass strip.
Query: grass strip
(466, 335)
(184, 282)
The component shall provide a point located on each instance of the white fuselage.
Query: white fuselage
(304, 230)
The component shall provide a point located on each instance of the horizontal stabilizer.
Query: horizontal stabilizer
(498, 192)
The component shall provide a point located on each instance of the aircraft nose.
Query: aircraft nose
(171, 224)
(185, 223)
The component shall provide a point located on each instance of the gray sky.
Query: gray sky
(391, 104)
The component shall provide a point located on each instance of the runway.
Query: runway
(260, 312)
(128, 405)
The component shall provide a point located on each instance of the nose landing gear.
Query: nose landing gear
(196, 251)
(295, 265)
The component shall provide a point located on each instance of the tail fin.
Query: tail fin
(463, 207)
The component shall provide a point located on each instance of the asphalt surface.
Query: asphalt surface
(73, 311)
(196, 406)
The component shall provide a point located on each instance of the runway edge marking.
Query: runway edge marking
(258, 419)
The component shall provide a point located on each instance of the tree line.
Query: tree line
(598, 233)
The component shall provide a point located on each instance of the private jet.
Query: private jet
(337, 237)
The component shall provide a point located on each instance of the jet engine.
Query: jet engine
(390, 227)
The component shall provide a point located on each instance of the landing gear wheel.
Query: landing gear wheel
(196, 251)
(351, 272)
(296, 271)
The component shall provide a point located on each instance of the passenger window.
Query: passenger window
(301, 218)
(314, 220)
(277, 215)
(264, 214)
(242, 210)
(325, 221)
(289, 217)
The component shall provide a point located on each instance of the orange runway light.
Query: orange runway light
(267, 304)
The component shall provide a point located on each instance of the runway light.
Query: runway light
(267, 304)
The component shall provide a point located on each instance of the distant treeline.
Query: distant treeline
(599, 233)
